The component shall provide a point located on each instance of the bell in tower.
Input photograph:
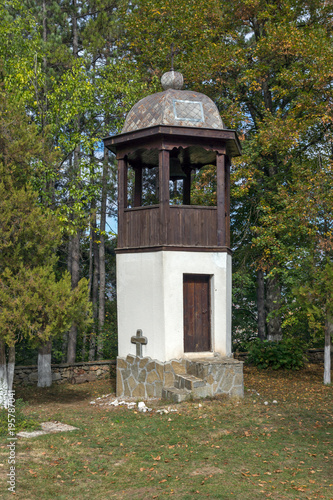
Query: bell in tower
(173, 257)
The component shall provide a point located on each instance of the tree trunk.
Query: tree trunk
(69, 269)
(273, 301)
(93, 336)
(261, 305)
(3, 376)
(90, 278)
(71, 348)
(83, 350)
(11, 367)
(91, 256)
(75, 260)
(44, 365)
(44, 13)
(327, 351)
(101, 305)
(6, 374)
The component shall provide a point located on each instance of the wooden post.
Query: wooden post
(187, 187)
(227, 201)
(164, 195)
(138, 187)
(221, 199)
(122, 197)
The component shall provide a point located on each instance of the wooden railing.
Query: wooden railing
(191, 226)
(140, 227)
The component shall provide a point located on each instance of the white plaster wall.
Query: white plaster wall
(150, 297)
(140, 302)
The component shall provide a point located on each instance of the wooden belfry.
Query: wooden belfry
(173, 259)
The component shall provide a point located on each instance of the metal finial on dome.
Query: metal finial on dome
(172, 80)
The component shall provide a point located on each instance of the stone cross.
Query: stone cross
(139, 340)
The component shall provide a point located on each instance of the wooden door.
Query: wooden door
(197, 330)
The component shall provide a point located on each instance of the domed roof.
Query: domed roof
(175, 107)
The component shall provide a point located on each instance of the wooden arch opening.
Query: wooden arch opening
(143, 174)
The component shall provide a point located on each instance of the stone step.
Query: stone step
(175, 394)
(202, 392)
(189, 382)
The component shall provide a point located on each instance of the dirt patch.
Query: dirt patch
(206, 471)
(47, 428)
(137, 493)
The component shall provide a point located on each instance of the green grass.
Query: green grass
(23, 422)
(223, 449)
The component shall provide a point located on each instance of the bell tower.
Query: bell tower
(173, 257)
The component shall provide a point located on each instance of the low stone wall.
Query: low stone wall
(313, 355)
(61, 373)
(145, 377)
(317, 355)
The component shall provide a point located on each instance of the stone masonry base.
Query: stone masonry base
(179, 379)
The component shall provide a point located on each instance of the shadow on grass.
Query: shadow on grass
(64, 393)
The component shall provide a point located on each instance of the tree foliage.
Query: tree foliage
(69, 72)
